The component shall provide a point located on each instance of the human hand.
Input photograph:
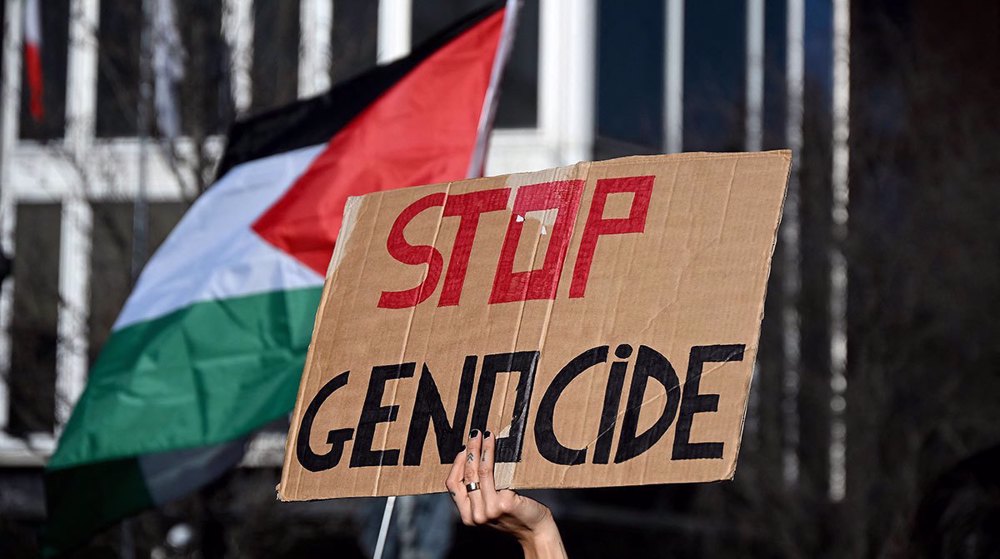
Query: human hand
(473, 489)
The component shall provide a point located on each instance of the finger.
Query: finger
(454, 480)
(486, 481)
(472, 476)
(457, 489)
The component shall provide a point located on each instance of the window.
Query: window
(354, 38)
(205, 98)
(33, 330)
(714, 74)
(775, 23)
(55, 38)
(630, 60)
(118, 45)
(275, 68)
(111, 260)
(519, 89)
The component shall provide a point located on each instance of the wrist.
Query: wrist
(543, 541)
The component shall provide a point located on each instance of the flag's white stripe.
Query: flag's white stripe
(213, 254)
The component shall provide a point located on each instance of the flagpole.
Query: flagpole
(383, 530)
(140, 206)
(140, 212)
(477, 164)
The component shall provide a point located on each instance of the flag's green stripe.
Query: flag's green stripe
(204, 374)
(84, 500)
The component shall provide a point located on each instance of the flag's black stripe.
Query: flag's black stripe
(83, 500)
(314, 121)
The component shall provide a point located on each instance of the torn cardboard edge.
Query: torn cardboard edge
(293, 474)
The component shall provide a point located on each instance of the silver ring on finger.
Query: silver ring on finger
(470, 487)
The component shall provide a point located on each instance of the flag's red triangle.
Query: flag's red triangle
(421, 131)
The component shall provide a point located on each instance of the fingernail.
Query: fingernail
(474, 433)
(486, 435)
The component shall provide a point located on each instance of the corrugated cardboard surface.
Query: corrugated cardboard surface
(693, 277)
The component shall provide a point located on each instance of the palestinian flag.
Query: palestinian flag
(33, 58)
(211, 343)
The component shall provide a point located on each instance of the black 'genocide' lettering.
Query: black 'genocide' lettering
(336, 439)
(508, 448)
(649, 364)
(609, 412)
(428, 408)
(697, 403)
(374, 413)
(548, 446)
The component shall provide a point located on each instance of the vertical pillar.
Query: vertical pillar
(75, 233)
(74, 273)
(789, 234)
(566, 80)
(753, 141)
(394, 24)
(315, 25)
(673, 75)
(754, 127)
(10, 99)
(237, 28)
(838, 262)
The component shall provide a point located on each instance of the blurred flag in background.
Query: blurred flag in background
(33, 57)
(210, 344)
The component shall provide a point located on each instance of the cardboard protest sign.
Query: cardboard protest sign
(601, 319)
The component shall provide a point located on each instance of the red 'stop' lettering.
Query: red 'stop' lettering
(469, 207)
(413, 254)
(642, 188)
(562, 196)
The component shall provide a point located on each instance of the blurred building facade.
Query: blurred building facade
(93, 187)
(579, 70)
(588, 79)
(835, 456)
